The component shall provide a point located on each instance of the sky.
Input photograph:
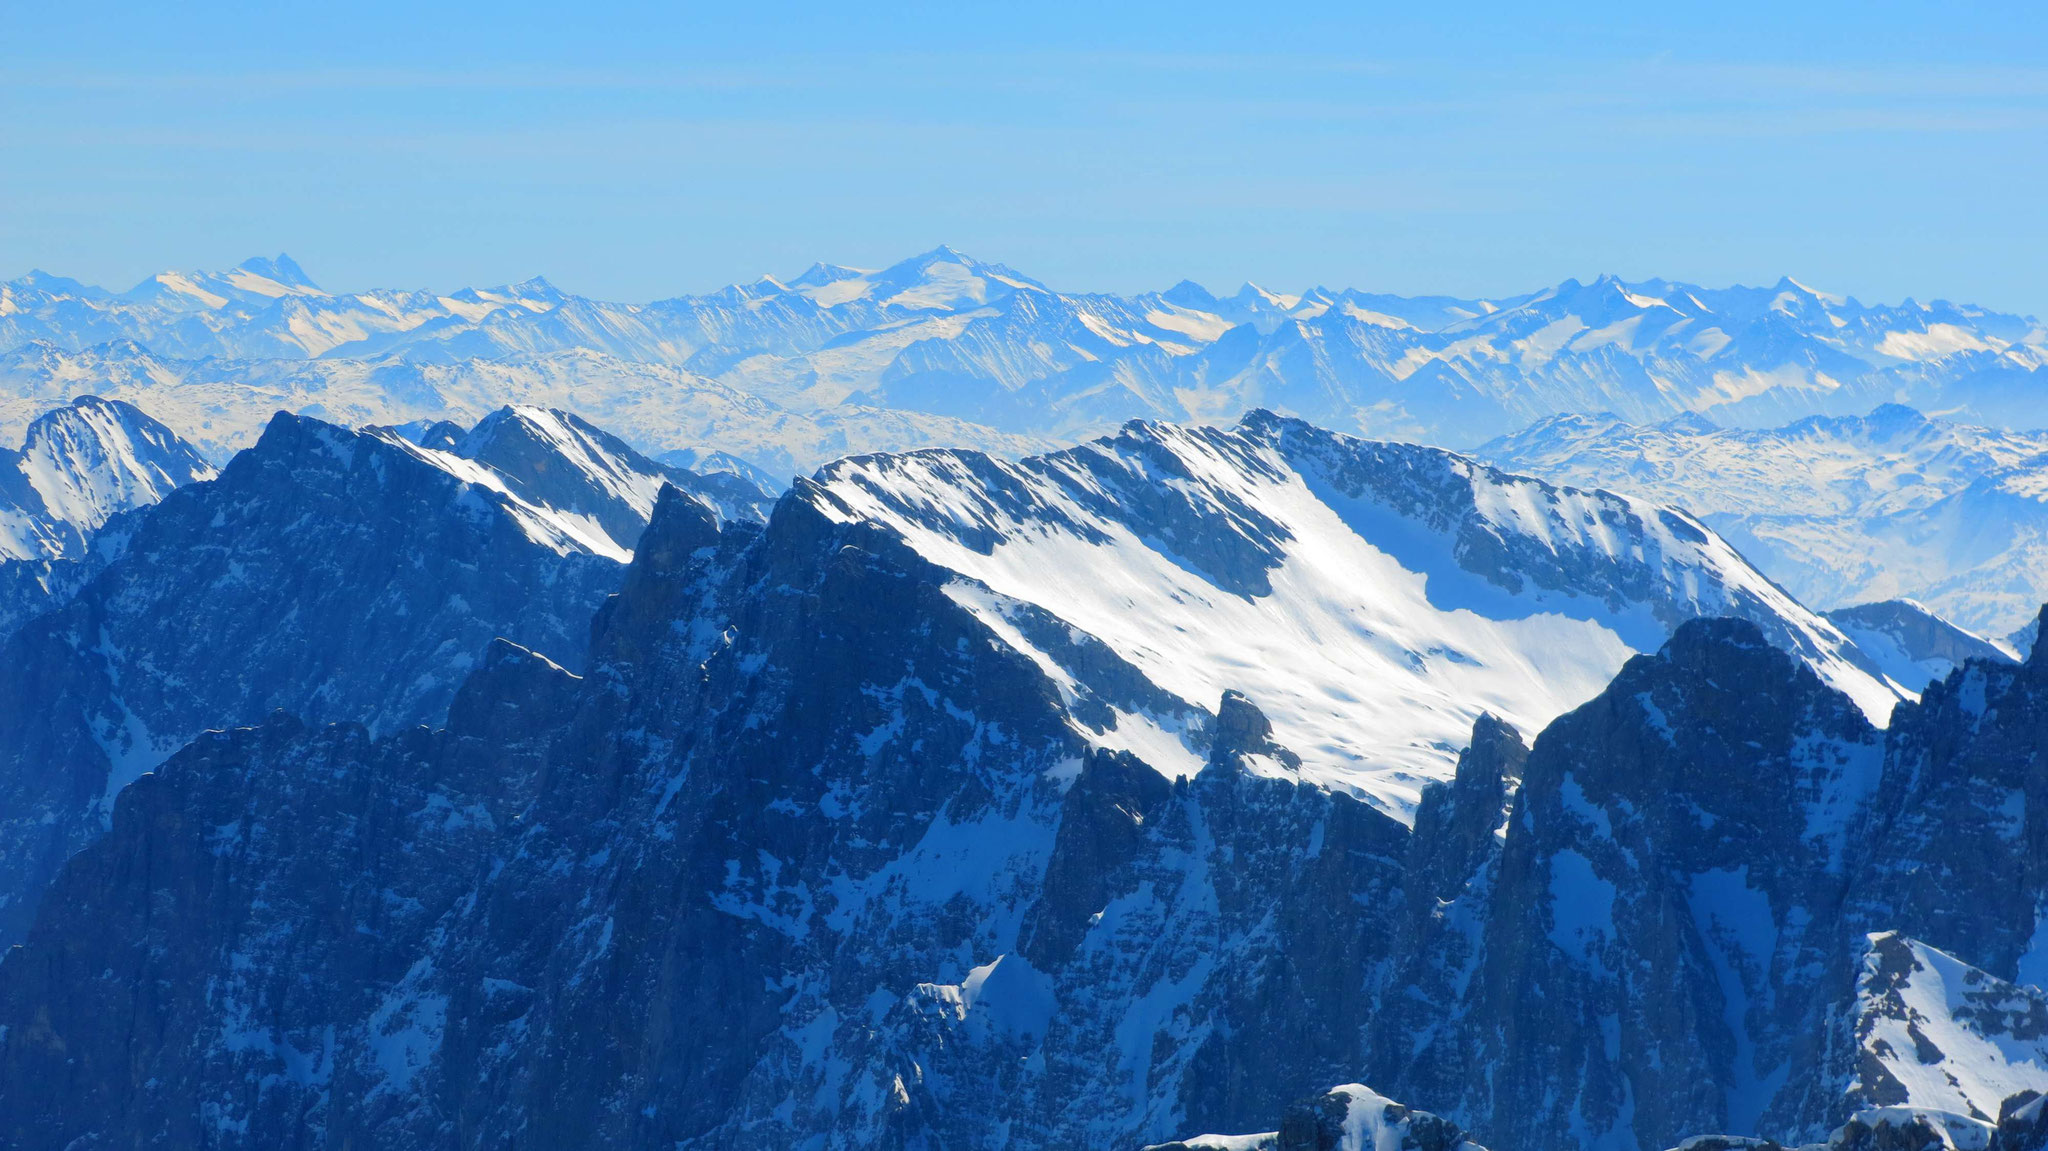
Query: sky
(634, 152)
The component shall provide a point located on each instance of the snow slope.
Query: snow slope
(1939, 1034)
(1883, 506)
(1913, 646)
(560, 461)
(1371, 598)
(82, 464)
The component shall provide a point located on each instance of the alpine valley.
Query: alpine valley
(921, 709)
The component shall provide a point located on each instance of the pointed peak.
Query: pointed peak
(535, 286)
(1253, 295)
(281, 268)
(1689, 423)
(946, 279)
(1496, 753)
(820, 274)
(1189, 294)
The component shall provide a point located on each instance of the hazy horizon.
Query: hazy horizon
(1879, 151)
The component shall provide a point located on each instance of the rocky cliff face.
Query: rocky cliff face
(1656, 924)
(335, 574)
(1958, 858)
(1668, 936)
(831, 839)
(823, 859)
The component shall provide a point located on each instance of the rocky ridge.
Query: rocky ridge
(833, 837)
(332, 573)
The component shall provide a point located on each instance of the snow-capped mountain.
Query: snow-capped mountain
(559, 461)
(337, 574)
(1910, 644)
(1372, 599)
(1840, 510)
(1934, 1032)
(80, 465)
(224, 405)
(834, 843)
(961, 352)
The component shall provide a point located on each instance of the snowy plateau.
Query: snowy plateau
(919, 708)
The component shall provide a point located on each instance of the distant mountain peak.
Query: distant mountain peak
(820, 274)
(1189, 294)
(1897, 415)
(1252, 295)
(41, 281)
(281, 268)
(946, 279)
(1690, 423)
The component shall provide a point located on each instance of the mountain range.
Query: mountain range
(1840, 510)
(946, 349)
(813, 851)
(920, 709)
(496, 785)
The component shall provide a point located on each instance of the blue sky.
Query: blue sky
(1883, 150)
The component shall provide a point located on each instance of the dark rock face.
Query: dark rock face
(183, 1026)
(808, 854)
(1959, 857)
(1639, 951)
(1452, 869)
(2022, 1123)
(331, 573)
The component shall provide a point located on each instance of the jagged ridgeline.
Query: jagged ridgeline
(336, 574)
(390, 790)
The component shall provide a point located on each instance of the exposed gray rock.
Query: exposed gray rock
(818, 846)
(335, 574)
(1958, 855)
